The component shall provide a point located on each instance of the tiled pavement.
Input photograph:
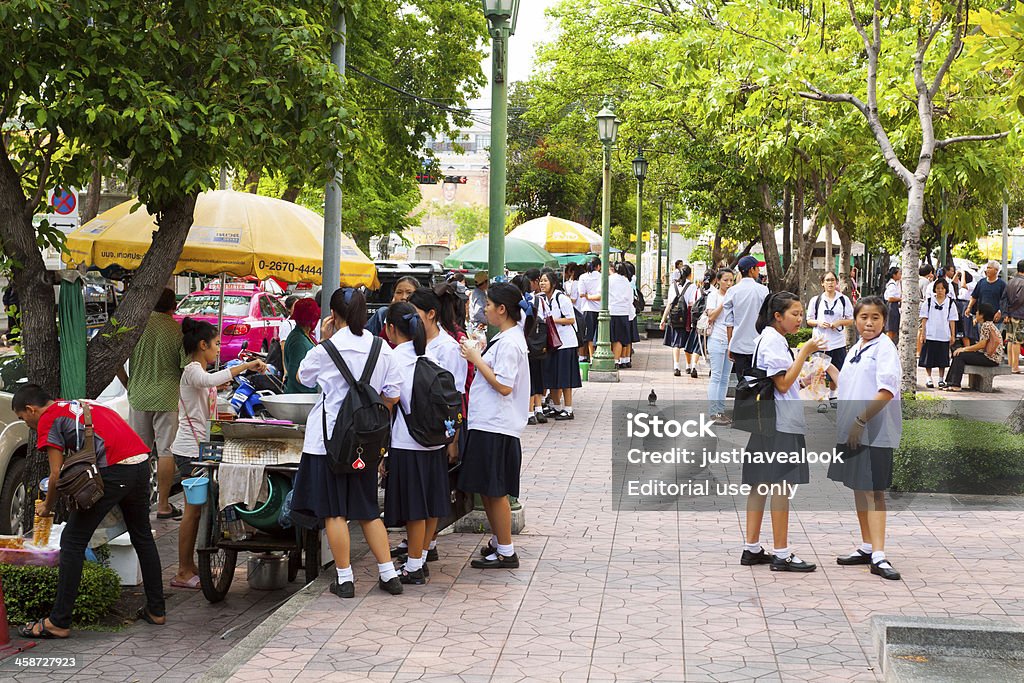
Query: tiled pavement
(603, 595)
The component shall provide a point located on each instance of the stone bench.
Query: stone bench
(979, 377)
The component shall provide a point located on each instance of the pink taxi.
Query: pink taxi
(250, 315)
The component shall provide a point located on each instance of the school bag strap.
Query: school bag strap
(371, 361)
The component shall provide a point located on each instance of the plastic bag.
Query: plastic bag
(812, 378)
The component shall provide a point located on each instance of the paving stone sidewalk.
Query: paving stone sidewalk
(601, 595)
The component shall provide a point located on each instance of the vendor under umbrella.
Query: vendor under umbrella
(306, 315)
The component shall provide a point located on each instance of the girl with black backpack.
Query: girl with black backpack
(322, 498)
(680, 326)
(416, 493)
(498, 409)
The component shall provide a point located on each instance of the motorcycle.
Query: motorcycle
(249, 387)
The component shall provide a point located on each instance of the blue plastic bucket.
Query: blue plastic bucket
(196, 490)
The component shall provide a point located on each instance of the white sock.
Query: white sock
(404, 543)
(506, 550)
(865, 548)
(878, 556)
(568, 409)
(537, 411)
(494, 541)
(387, 571)
(753, 547)
(345, 575)
(782, 553)
(675, 366)
(413, 563)
(433, 544)
(423, 558)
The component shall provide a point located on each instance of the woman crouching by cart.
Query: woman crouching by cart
(321, 497)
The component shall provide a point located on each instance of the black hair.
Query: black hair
(195, 331)
(987, 311)
(1020, 267)
(459, 277)
(827, 273)
(404, 318)
(685, 272)
(951, 266)
(926, 269)
(876, 301)
(509, 296)
(319, 298)
(678, 263)
(779, 302)
(532, 275)
(441, 300)
(571, 272)
(167, 301)
(29, 395)
(291, 301)
(407, 278)
(892, 271)
(940, 281)
(630, 269)
(723, 271)
(621, 269)
(556, 282)
(350, 305)
(968, 278)
(521, 283)
(593, 264)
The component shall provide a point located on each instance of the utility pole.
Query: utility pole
(332, 196)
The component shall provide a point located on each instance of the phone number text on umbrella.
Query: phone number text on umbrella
(289, 267)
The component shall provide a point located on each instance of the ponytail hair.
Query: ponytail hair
(442, 300)
(195, 331)
(404, 318)
(779, 302)
(892, 271)
(516, 304)
(350, 306)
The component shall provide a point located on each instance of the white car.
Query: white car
(14, 440)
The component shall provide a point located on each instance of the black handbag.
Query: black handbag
(754, 410)
(80, 484)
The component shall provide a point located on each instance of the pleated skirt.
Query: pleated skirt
(416, 486)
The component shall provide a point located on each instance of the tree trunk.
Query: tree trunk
(1016, 420)
(845, 247)
(291, 193)
(716, 248)
(768, 243)
(92, 199)
(108, 351)
(252, 181)
(787, 228)
(910, 256)
(793, 273)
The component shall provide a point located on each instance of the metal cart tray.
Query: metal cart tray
(236, 429)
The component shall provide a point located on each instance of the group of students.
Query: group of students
(583, 287)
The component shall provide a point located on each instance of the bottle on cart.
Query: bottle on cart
(234, 527)
(42, 524)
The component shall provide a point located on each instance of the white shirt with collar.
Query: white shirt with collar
(742, 304)
(489, 411)
(893, 288)
(561, 307)
(589, 285)
(717, 327)
(774, 357)
(862, 377)
(445, 351)
(823, 309)
(938, 317)
(620, 295)
(319, 369)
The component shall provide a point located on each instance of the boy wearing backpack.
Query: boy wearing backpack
(345, 435)
(427, 421)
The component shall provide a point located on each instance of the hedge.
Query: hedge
(799, 337)
(950, 455)
(29, 592)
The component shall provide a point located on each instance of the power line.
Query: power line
(406, 93)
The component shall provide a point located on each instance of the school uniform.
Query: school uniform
(970, 329)
(620, 306)
(493, 456)
(892, 320)
(540, 312)
(872, 366)
(678, 337)
(562, 367)
(319, 493)
(772, 354)
(417, 481)
(634, 324)
(823, 309)
(589, 285)
(937, 317)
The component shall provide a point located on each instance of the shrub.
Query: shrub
(799, 337)
(948, 455)
(922, 405)
(29, 592)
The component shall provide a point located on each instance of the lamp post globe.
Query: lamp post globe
(603, 368)
(640, 173)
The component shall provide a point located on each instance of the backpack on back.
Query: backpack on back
(679, 313)
(435, 407)
(362, 432)
(537, 338)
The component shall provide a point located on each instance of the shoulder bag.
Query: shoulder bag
(80, 485)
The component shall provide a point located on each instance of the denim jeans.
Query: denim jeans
(721, 367)
(126, 486)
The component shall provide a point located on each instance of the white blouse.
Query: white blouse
(772, 354)
(823, 309)
(893, 289)
(871, 367)
(561, 307)
(938, 317)
(489, 411)
(620, 295)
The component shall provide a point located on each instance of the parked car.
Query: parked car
(427, 273)
(250, 315)
(14, 443)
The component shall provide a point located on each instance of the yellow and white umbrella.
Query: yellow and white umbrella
(234, 233)
(558, 235)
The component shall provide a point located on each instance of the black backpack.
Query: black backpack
(679, 313)
(638, 302)
(362, 432)
(754, 409)
(537, 338)
(699, 306)
(435, 407)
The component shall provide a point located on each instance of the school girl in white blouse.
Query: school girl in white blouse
(781, 314)
(939, 316)
(829, 313)
(893, 297)
(499, 402)
(869, 425)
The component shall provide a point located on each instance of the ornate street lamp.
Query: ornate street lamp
(640, 172)
(603, 368)
(501, 21)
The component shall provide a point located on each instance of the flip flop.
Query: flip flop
(175, 513)
(27, 631)
(192, 583)
(143, 614)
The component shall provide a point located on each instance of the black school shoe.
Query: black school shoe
(532, 420)
(394, 586)
(403, 555)
(564, 415)
(749, 559)
(344, 590)
(488, 550)
(860, 558)
(400, 550)
(693, 373)
(540, 418)
(416, 578)
(677, 372)
(791, 564)
(510, 562)
(888, 572)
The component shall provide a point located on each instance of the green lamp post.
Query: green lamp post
(658, 304)
(640, 172)
(603, 368)
(501, 21)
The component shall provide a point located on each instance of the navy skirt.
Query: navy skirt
(320, 494)
(491, 464)
(621, 330)
(867, 469)
(892, 321)
(934, 354)
(537, 375)
(636, 329)
(693, 342)
(562, 369)
(416, 486)
(589, 330)
(775, 472)
(675, 337)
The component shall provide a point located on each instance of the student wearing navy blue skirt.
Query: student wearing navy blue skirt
(320, 497)
(499, 403)
(939, 317)
(416, 493)
(893, 296)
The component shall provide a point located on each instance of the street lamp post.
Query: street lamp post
(501, 20)
(603, 368)
(659, 303)
(640, 171)
(668, 245)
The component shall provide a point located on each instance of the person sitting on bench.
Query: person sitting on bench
(987, 352)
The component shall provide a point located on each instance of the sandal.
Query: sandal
(28, 631)
(175, 513)
(144, 614)
(192, 583)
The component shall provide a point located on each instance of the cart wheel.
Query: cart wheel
(312, 563)
(294, 564)
(216, 570)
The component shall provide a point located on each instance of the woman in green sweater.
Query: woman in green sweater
(306, 315)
